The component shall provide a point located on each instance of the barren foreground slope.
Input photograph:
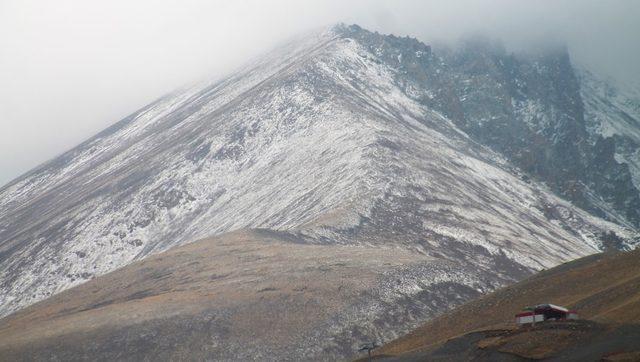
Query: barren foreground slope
(245, 295)
(604, 288)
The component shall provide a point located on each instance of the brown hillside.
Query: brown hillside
(247, 293)
(603, 288)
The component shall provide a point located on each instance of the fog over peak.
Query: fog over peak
(70, 68)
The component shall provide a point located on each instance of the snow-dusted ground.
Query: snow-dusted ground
(316, 138)
(613, 110)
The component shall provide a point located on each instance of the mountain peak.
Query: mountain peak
(379, 43)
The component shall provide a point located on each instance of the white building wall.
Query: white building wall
(529, 319)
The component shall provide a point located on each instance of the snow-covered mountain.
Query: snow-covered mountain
(338, 137)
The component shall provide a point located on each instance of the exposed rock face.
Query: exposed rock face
(343, 137)
(529, 108)
(613, 113)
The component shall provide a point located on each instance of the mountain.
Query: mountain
(341, 138)
(484, 329)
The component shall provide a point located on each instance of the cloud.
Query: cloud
(70, 68)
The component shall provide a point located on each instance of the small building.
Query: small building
(544, 312)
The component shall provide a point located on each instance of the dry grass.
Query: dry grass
(275, 290)
(623, 357)
(604, 288)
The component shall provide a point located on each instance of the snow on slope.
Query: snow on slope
(315, 138)
(614, 110)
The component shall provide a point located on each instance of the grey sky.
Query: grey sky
(70, 68)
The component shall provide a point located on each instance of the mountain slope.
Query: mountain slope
(613, 112)
(536, 110)
(603, 288)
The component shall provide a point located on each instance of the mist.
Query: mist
(68, 69)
